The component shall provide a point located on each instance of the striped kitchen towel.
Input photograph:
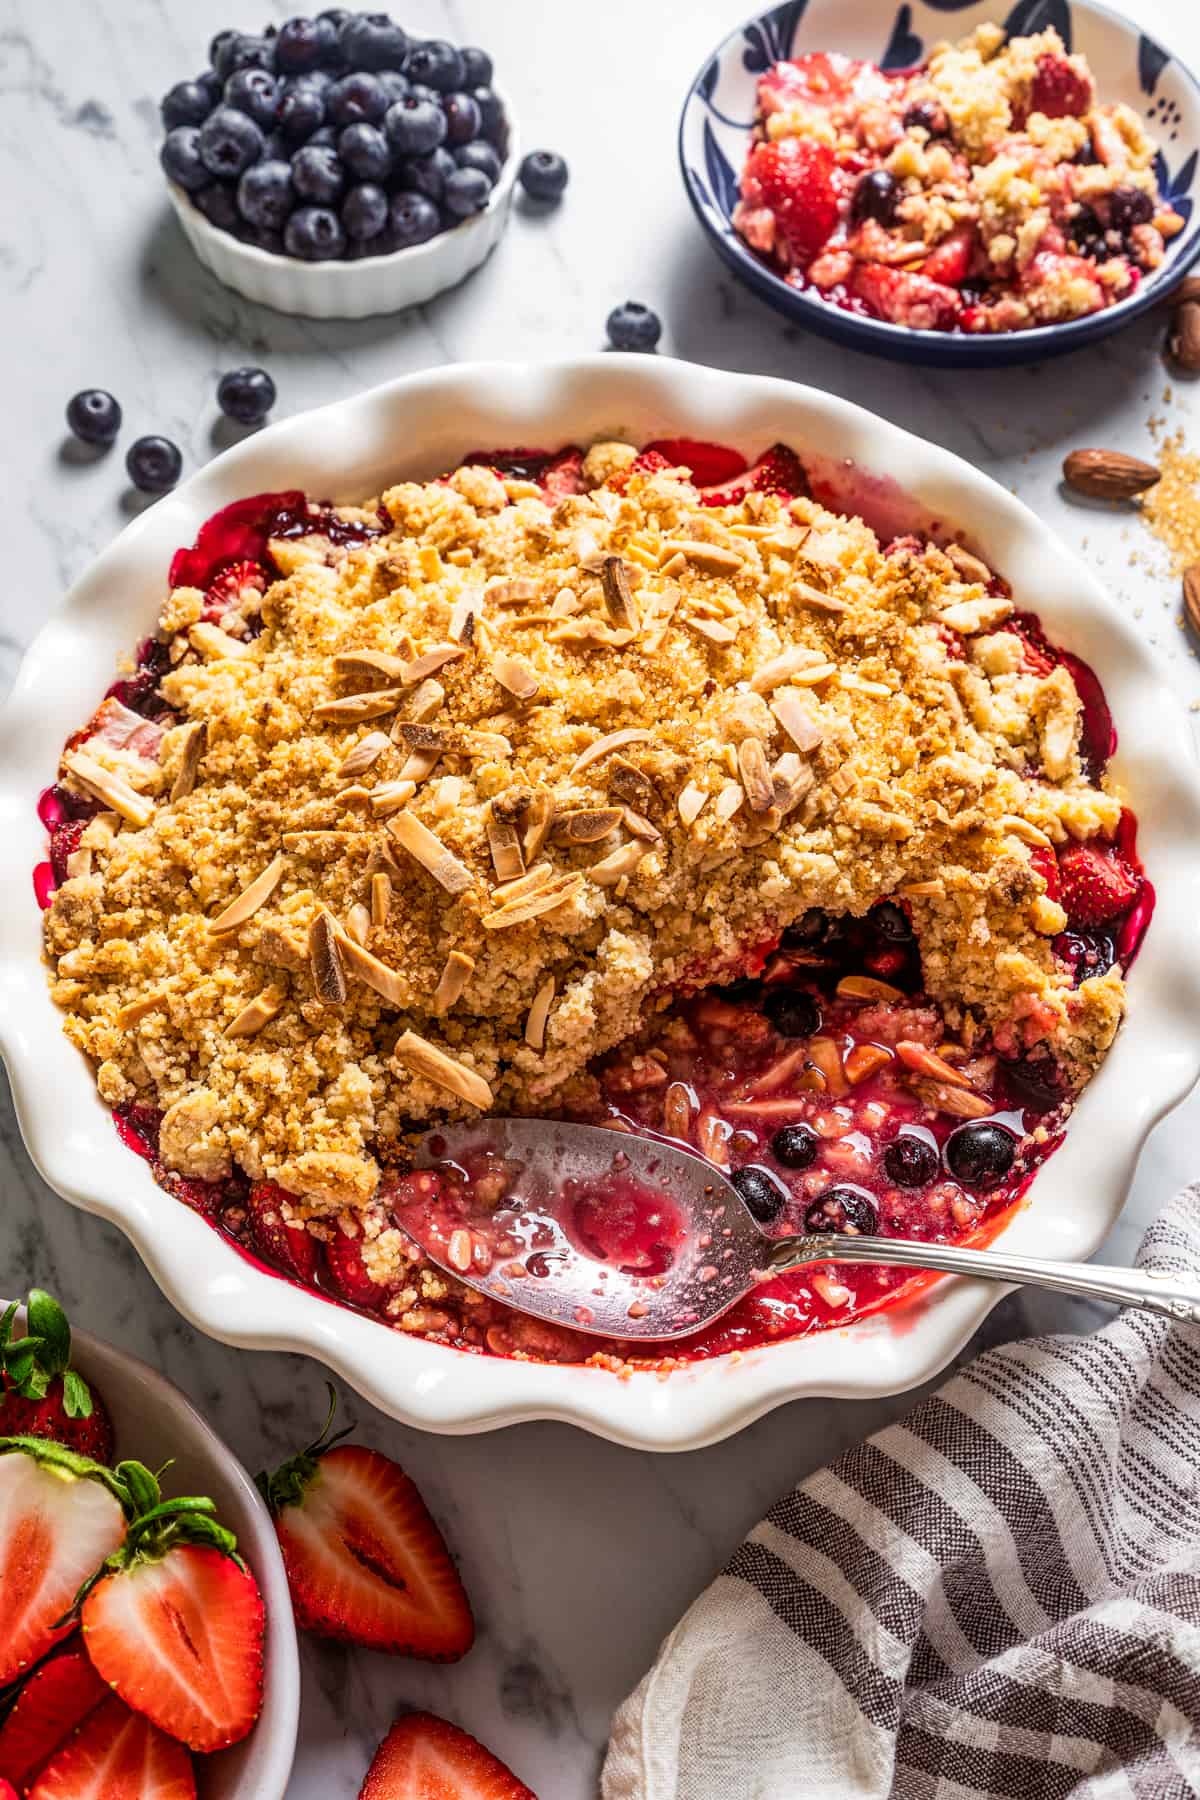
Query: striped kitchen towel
(998, 1597)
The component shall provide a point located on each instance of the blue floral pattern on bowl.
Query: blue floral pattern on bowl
(718, 117)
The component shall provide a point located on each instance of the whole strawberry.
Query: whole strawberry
(43, 1396)
(1096, 885)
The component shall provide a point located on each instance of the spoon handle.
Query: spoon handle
(1173, 1292)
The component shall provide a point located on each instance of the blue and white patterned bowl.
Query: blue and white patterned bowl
(718, 114)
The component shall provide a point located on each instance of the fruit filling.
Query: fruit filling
(647, 787)
(988, 189)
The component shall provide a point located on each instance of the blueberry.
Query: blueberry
(795, 1146)
(314, 234)
(187, 103)
(980, 1154)
(910, 1161)
(218, 204)
(180, 158)
(809, 929)
(240, 50)
(372, 41)
(466, 191)
(1129, 206)
(264, 195)
(254, 92)
(762, 1194)
(246, 395)
(229, 142)
(479, 154)
(890, 921)
(414, 219)
(633, 327)
(846, 1209)
(356, 99)
(364, 212)
(543, 175)
(427, 174)
(495, 125)
(317, 174)
(300, 44)
(153, 464)
(336, 16)
(324, 138)
(875, 197)
(395, 85)
(414, 126)
(793, 1011)
(419, 91)
(928, 115)
(463, 118)
(216, 48)
(477, 66)
(94, 416)
(365, 151)
(437, 64)
(261, 238)
(301, 112)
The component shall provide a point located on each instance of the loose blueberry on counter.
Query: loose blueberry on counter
(246, 395)
(763, 1194)
(436, 64)
(633, 327)
(254, 92)
(414, 219)
(264, 195)
(180, 158)
(795, 1146)
(792, 1011)
(153, 464)
(365, 151)
(463, 119)
(229, 142)
(415, 126)
(364, 212)
(543, 175)
(314, 234)
(845, 1209)
(479, 154)
(94, 416)
(372, 41)
(467, 191)
(357, 99)
(980, 1154)
(910, 1161)
(317, 174)
(187, 103)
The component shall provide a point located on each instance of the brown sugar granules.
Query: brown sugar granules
(1172, 507)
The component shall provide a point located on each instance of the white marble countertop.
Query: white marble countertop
(578, 1555)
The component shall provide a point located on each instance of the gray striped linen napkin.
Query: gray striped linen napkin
(998, 1597)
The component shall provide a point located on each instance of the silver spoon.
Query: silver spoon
(703, 1248)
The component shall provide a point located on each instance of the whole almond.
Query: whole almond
(1183, 339)
(1107, 474)
(1187, 289)
(1191, 596)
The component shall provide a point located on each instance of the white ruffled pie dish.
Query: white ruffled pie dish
(415, 427)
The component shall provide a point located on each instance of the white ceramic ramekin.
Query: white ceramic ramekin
(418, 426)
(155, 1423)
(368, 285)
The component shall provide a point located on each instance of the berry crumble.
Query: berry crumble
(643, 787)
(987, 190)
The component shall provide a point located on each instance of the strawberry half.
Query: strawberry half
(949, 261)
(1096, 884)
(777, 471)
(708, 464)
(57, 1697)
(426, 1758)
(288, 1247)
(174, 1620)
(904, 298)
(348, 1272)
(224, 590)
(563, 475)
(61, 1515)
(117, 1754)
(795, 179)
(365, 1562)
(1061, 88)
(43, 1396)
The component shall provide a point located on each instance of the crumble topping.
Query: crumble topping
(451, 810)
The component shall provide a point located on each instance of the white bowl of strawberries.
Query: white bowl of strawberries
(148, 1648)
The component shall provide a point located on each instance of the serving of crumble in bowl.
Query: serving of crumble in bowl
(591, 755)
(947, 184)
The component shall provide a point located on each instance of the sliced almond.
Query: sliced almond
(926, 1062)
(566, 602)
(430, 661)
(547, 898)
(353, 708)
(1026, 832)
(325, 960)
(969, 616)
(367, 751)
(617, 864)
(383, 980)
(968, 566)
(381, 897)
(455, 975)
(797, 720)
(427, 699)
(140, 1009)
(424, 1058)
(213, 643)
(711, 559)
(826, 1058)
(586, 824)
(866, 987)
(640, 826)
(258, 1012)
(513, 592)
(462, 620)
(250, 899)
(815, 598)
(538, 818)
(604, 746)
(422, 736)
(631, 786)
(393, 667)
(358, 923)
(111, 788)
(515, 676)
(618, 594)
(539, 1012)
(419, 765)
(756, 776)
(591, 634)
(959, 1102)
(729, 800)
(865, 1060)
(428, 849)
(791, 781)
(536, 878)
(391, 796)
(924, 890)
(691, 802)
(782, 667)
(713, 630)
(677, 1111)
(505, 845)
(192, 748)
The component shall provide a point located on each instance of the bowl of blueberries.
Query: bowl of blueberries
(336, 167)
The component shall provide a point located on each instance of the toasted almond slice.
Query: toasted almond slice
(431, 853)
(79, 862)
(711, 559)
(691, 802)
(791, 780)
(387, 982)
(826, 1058)
(729, 799)
(924, 890)
(630, 785)
(866, 987)
(193, 747)
(969, 616)
(756, 776)
(515, 676)
(815, 598)
(712, 1137)
(864, 1061)
(455, 975)
(859, 684)
(960, 1103)
(505, 845)
(372, 662)
(640, 826)
(430, 661)
(390, 796)
(367, 751)
(250, 899)
(587, 824)
(968, 566)
(107, 786)
(674, 565)
(209, 641)
(926, 1062)
(712, 629)
(604, 746)
(566, 602)
(677, 1111)
(258, 1012)
(352, 709)
(1028, 834)
(617, 864)
(536, 878)
(358, 922)
(421, 735)
(134, 1010)
(381, 897)
(547, 898)
(424, 1058)
(590, 633)
(419, 765)
(782, 667)
(539, 1012)
(797, 720)
(325, 960)
(815, 676)
(462, 619)
(512, 592)
(618, 594)
(427, 699)
(539, 816)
